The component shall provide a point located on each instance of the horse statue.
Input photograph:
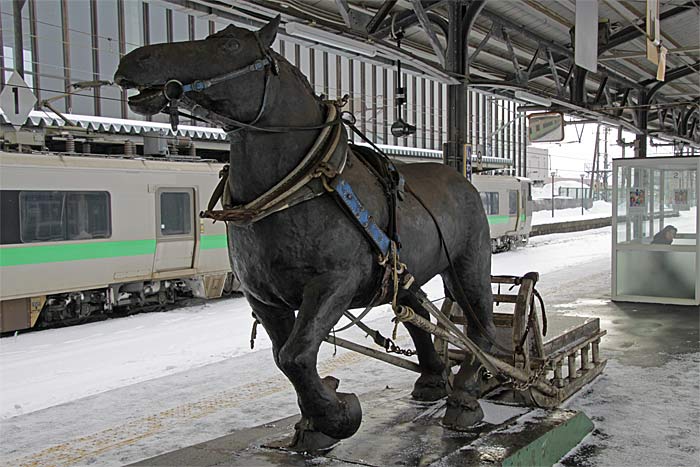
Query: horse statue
(305, 254)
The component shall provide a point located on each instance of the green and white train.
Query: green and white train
(88, 235)
(508, 205)
(84, 235)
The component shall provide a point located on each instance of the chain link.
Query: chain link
(524, 386)
(393, 348)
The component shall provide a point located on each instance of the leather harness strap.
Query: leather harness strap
(326, 158)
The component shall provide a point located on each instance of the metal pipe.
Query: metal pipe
(388, 358)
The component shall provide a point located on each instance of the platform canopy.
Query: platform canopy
(524, 50)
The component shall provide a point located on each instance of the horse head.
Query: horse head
(165, 72)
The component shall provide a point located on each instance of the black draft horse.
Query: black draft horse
(312, 258)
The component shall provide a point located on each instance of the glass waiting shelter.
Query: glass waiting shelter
(655, 251)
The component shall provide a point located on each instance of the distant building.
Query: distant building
(537, 164)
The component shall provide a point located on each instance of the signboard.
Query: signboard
(680, 199)
(586, 35)
(637, 199)
(545, 127)
(17, 100)
(467, 162)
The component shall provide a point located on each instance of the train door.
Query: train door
(514, 208)
(175, 232)
(526, 197)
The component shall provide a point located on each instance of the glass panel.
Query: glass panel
(87, 216)
(490, 201)
(512, 202)
(175, 214)
(656, 273)
(58, 215)
(108, 49)
(157, 28)
(9, 227)
(201, 28)
(50, 53)
(80, 36)
(133, 27)
(181, 27)
(41, 216)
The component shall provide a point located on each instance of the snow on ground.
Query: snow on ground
(46, 368)
(599, 209)
(545, 191)
(671, 436)
(122, 390)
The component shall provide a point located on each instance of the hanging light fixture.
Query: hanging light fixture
(400, 128)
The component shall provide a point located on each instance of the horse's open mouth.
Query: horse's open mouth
(145, 95)
(148, 101)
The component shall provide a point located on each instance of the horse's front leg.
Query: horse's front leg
(326, 415)
(278, 323)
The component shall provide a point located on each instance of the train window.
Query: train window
(54, 216)
(490, 202)
(9, 209)
(175, 213)
(513, 202)
(87, 215)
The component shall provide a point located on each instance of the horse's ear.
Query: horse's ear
(268, 32)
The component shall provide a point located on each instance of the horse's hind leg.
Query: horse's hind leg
(474, 276)
(326, 415)
(431, 385)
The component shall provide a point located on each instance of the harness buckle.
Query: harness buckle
(198, 85)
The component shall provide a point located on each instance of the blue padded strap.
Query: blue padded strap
(361, 215)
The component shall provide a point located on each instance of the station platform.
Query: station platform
(644, 406)
(399, 431)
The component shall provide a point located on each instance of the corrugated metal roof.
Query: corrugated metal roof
(116, 125)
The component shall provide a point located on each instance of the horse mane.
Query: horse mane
(296, 72)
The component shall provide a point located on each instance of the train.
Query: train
(84, 236)
(508, 204)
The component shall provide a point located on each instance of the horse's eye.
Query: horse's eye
(232, 44)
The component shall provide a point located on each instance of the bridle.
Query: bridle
(176, 94)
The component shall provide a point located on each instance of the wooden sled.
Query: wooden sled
(538, 371)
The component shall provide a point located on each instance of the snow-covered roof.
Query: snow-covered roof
(119, 125)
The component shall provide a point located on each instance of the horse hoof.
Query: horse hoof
(306, 439)
(346, 421)
(463, 412)
(429, 388)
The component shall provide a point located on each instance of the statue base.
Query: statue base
(397, 430)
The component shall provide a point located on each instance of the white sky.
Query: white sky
(569, 156)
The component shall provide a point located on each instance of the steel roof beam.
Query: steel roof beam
(632, 32)
(425, 23)
(344, 10)
(380, 16)
(676, 73)
(401, 20)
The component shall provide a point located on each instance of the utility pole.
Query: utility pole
(553, 174)
(595, 158)
(605, 166)
(582, 197)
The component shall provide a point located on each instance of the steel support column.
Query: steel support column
(456, 94)
(461, 19)
(640, 143)
(18, 48)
